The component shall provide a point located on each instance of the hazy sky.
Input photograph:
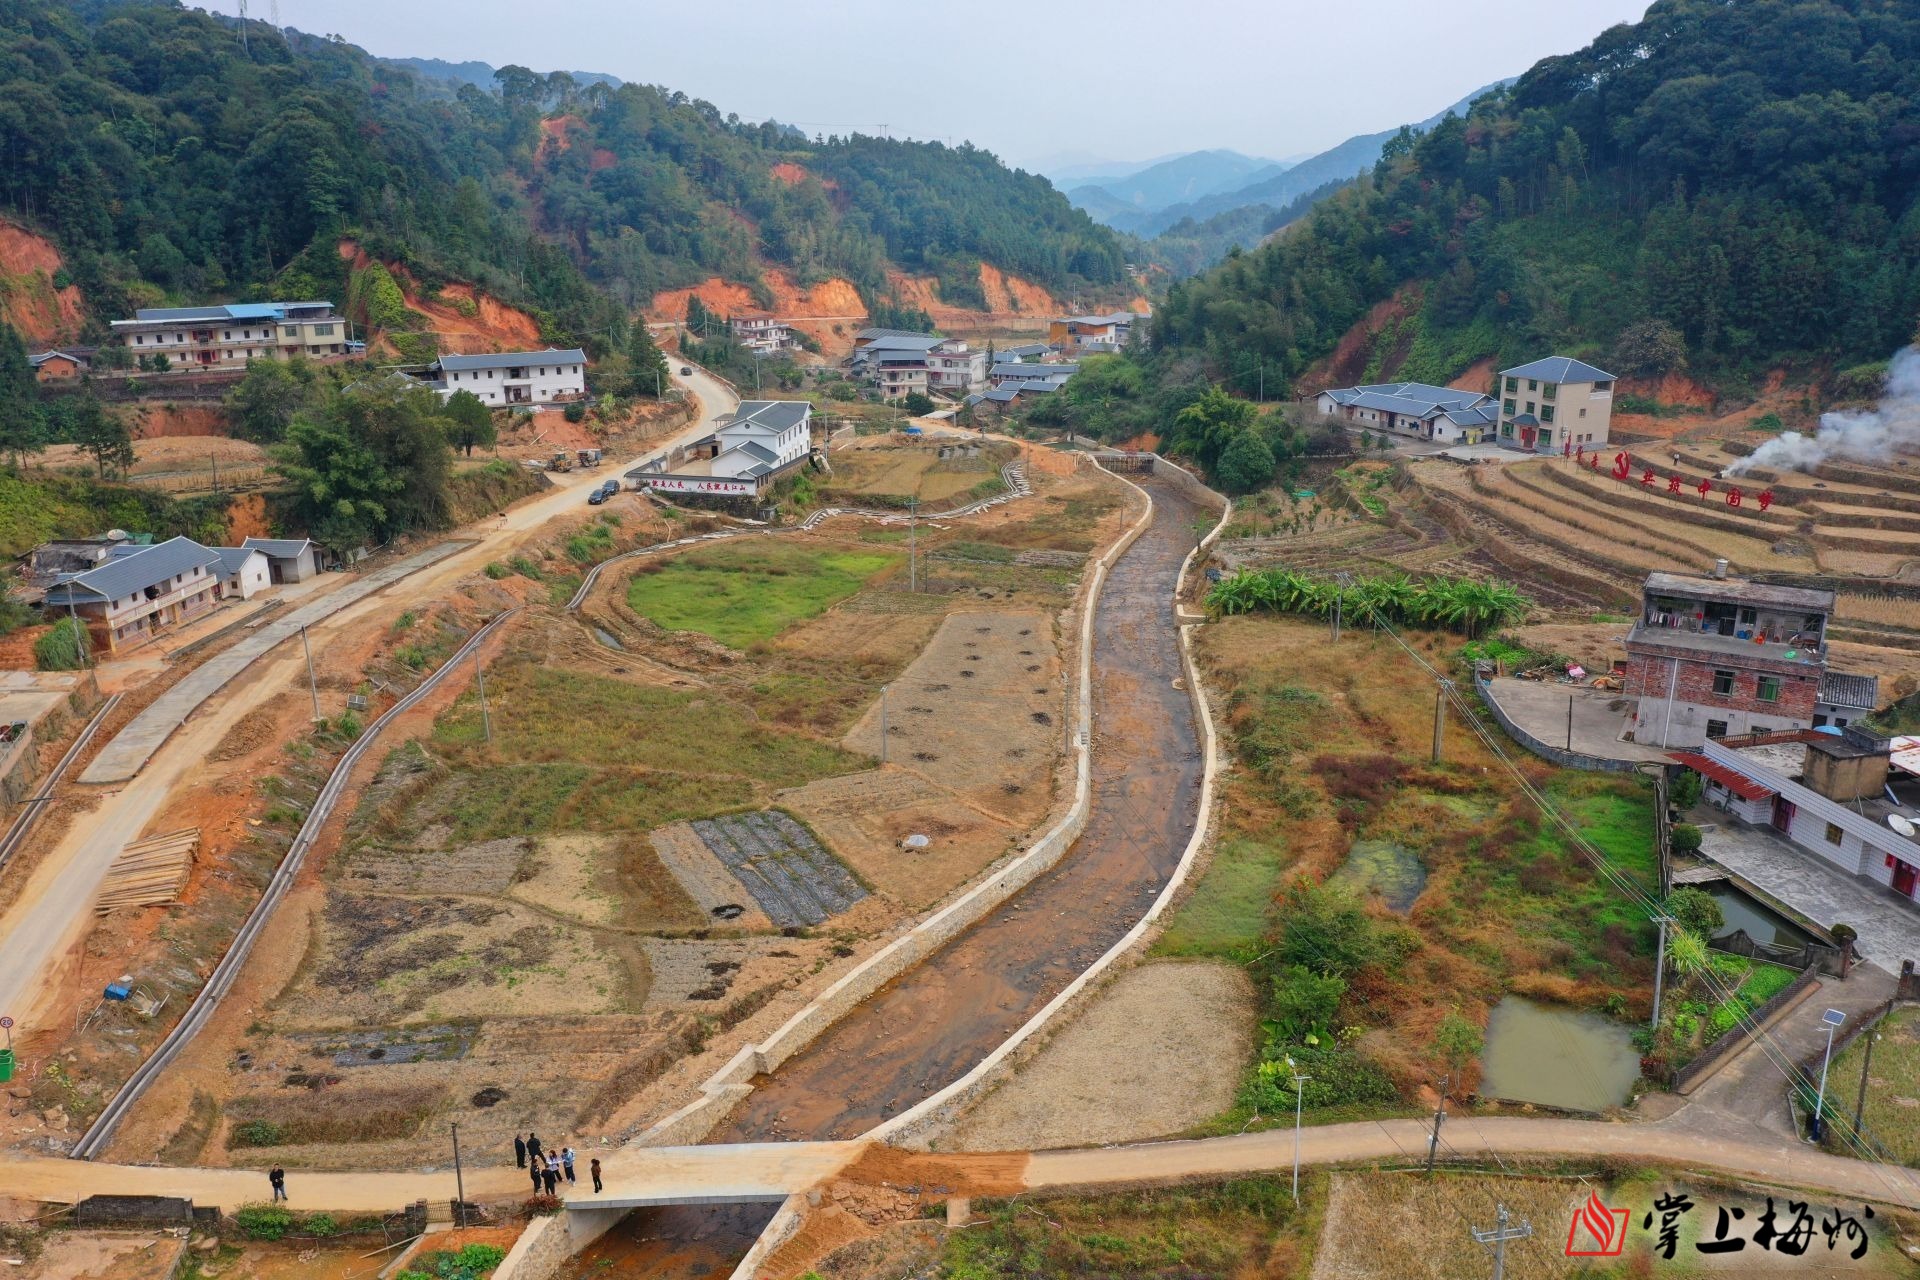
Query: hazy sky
(1037, 84)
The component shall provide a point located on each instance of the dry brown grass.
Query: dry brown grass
(1887, 610)
(298, 1115)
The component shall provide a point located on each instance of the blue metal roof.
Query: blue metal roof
(1559, 369)
(511, 359)
(223, 311)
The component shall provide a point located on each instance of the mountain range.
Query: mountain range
(1203, 184)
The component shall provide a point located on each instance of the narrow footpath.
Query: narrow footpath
(934, 1023)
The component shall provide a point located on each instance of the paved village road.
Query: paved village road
(53, 909)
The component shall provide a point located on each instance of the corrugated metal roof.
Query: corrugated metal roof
(511, 359)
(226, 311)
(867, 335)
(1559, 369)
(1738, 783)
(127, 575)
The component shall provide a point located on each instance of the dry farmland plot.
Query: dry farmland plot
(885, 472)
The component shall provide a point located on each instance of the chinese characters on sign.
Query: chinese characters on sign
(1623, 465)
(1600, 1231)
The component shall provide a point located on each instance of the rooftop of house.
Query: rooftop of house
(278, 548)
(224, 311)
(1728, 647)
(1479, 415)
(1844, 689)
(774, 416)
(912, 342)
(1026, 349)
(233, 558)
(1419, 399)
(868, 335)
(1742, 591)
(1112, 317)
(125, 575)
(510, 359)
(79, 355)
(1559, 369)
(1033, 372)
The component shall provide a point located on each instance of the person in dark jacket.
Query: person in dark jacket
(539, 1168)
(533, 1146)
(594, 1169)
(552, 1177)
(277, 1179)
(519, 1152)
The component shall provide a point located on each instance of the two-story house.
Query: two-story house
(513, 377)
(1554, 403)
(138, 592)
(228, 336)
(763, 439)
(1091, 335)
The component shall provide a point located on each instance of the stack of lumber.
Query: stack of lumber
(149, 872)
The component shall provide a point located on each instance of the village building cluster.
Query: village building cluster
(1554, 405)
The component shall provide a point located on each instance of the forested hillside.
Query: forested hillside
(168, 161)
(1734, 182)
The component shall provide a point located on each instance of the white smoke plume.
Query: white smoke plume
(1864, 435)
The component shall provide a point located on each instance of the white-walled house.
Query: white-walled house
(513, 377)
(135, 595)
(1824, 792)
(1419, 410)
(288, 559)
(243, 572)
(763, 438)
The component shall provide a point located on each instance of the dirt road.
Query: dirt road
(53, 911)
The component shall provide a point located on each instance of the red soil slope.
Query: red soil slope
(43, 314)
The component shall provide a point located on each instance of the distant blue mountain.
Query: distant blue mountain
(1178, 180)
(1280, 185)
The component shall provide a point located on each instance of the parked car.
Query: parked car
(686, 371)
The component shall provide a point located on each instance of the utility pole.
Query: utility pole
(1440, 718)
(1439, 1117)
(313, 686)
(480, 678)
(913, 546)
(459, 1181)
(1298, 1082)
(883, 723)
(1660, 967)
(1831, 1019)
(1860, 1103)
(214, 458)
(1498, 1238)
(1339, 598)
(1569, 722)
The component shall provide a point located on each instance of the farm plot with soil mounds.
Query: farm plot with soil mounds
(782, 865)
(882, 471)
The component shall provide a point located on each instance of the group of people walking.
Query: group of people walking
(546, 1168)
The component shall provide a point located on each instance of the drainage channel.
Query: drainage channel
(935, 1022)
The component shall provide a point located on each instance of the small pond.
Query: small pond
(1762, 923)
(1557, 1057)
(1390, 868)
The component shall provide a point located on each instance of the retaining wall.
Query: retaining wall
(1721, 1051)
(1558, 755)
(917, 1126)
(537, 1257)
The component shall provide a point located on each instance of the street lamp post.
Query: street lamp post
(1832, 1018)
(1298, 1082)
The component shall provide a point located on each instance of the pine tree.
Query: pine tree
(22, 429)
(646, 364)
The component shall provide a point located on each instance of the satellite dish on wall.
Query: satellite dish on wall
(1901, 824)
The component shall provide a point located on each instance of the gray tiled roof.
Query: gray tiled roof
(772, 415)
(232, 558)
(512, 359)
(1559, 369)
(127, 575)
(1421, 399)
(902, 342)
(1479, 415)
(1843, 689)
(867, 335)
(1029, 371)
(278, 548)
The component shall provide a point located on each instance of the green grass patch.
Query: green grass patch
(1232, 907)
(747, 592)
(1231, 1228)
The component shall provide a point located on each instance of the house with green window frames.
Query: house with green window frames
(1555, 405)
